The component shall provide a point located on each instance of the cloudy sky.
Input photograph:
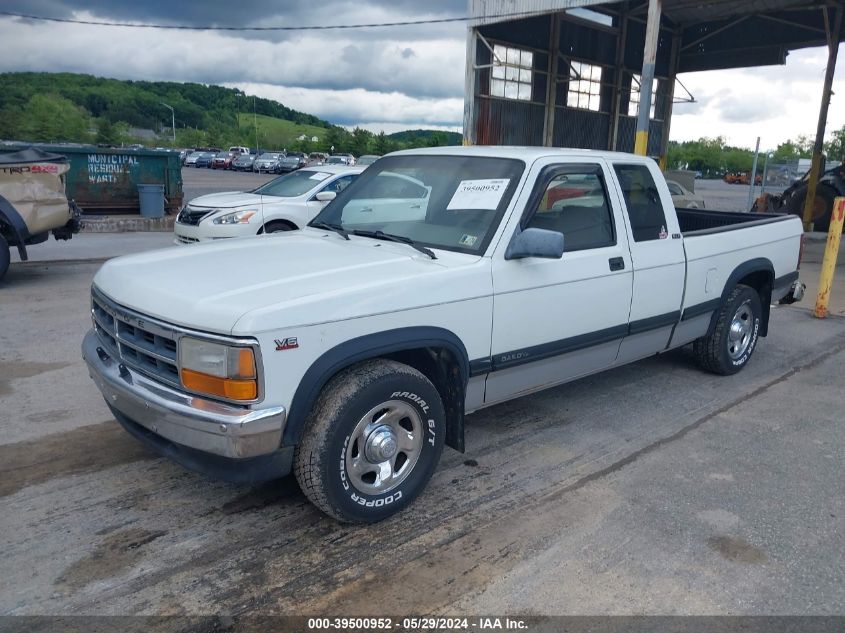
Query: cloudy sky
(385, 78)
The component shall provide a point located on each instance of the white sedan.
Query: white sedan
(286, 203)
(683, 198)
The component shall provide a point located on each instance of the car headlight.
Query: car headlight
(218, 370)
(238, 217)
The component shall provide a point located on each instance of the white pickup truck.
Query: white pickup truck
(350, 351)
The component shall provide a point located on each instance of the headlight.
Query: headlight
(218, 370)
(238, 217)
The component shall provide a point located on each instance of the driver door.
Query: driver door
(557, 319)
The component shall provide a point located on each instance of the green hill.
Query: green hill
(68, 107)
(80, 106)
(277, 133)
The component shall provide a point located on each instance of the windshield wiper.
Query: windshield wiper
(389, 237)
(337, 228)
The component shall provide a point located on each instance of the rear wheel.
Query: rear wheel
(822, 205)
(729, 348)
(371, 442)
(5, 256)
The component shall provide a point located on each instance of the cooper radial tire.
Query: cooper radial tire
(344, 463)
(726, 351)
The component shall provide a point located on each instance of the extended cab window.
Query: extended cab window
(642, 201)
(575, 204)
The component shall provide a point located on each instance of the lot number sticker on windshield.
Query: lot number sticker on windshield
(478, 194)
(320, 175)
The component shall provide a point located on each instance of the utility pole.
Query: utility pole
(255, 120)
(172, 119)
(818, 147)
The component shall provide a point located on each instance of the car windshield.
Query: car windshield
(449, 202)
(268, 156)
(223, 155)
(196, 154)
(367, 160)
(294, 184)
(335, 160)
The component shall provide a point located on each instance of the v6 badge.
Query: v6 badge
(288, 343)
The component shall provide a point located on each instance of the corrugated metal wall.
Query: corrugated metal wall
(498, 120)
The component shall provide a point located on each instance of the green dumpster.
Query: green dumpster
(105, 180)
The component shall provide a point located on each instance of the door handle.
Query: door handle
(366, 209)
(616, 263)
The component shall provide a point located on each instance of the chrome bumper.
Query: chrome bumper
(198, 423)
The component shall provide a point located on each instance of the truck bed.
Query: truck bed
(703, 222)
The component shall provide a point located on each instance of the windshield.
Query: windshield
(449, 202)
(294, 184)
(335, 160)
(268, 156)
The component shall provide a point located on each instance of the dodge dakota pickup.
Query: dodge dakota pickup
(350, 351)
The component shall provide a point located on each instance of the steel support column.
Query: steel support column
(469, 87)
(652, 34)
(818, 148)
(551, 79)
(621, 42)
(670, 99)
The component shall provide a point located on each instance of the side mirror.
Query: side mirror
(535, 243)
(326, 196)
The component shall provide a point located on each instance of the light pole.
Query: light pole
(172, 119)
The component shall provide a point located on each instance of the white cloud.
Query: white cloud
(363, 107)
(775, 103)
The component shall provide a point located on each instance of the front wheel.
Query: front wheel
(371, 442)
(729, 348)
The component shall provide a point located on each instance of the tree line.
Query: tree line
(713, 157)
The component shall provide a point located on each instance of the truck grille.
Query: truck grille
(139, 342)
(192, 215)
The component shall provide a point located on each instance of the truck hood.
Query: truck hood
(230, 199)
(256, 284)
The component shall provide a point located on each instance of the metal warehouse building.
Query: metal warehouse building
(574, 73)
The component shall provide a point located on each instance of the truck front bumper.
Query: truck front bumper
(221, 440)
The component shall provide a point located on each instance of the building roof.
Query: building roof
(715, 34)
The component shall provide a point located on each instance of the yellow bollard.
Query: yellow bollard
(831, 251)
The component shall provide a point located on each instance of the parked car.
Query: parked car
(191, 160)
(367, 159)
(238, 149)
(244, 162)
(350, 351)
(683, 197)
(205, 159)
(316, 158)
(340, 159)
(286, 203)
(269, 162)
(222, 160)
(292, 162)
